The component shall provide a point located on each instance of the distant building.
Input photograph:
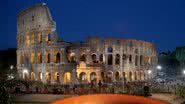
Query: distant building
(180, 54)
(42, 57)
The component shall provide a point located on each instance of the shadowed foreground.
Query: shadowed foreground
(108, 99)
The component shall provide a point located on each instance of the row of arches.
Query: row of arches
(47, 77)
(39, 58)
(27, 39)
(109, 76)
(109, 60)
(83, 76)
(104, 76)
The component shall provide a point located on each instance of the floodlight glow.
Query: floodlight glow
(11, 67)
(184, 72)
(149, 71)
(25, 71)
(159, 67)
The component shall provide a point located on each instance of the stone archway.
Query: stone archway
(83, 76)
(130, 76)
(40, 76)
(109, 76)
(135, 76)
(67, 77)
(48, 77)
(93, 77)
(32, 76)
(25, 76)
(57, 77)
(117, 76)
(57, 58)
(103, 76)
(141, 75)
(83, 58)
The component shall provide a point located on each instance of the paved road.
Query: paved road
(170, 98)
(37, 98)
(47, 98)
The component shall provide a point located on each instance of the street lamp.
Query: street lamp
(159, 67)
(149, 72)
(184, 71)
(11, 67)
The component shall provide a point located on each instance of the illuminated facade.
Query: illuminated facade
(42, 57)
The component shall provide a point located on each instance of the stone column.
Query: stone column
(121, 66)
(113, 57)
(88, 76)
(113, 77)
(61, 74)
(88, 58)
(74, 76)
(51, 56)
(52, 77)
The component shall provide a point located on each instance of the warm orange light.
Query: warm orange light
(108, 99)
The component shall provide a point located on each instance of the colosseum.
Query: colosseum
(42, 56)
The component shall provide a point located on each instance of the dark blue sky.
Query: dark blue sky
(158, 21)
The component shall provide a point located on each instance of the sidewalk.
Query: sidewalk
(170, 98)
(36, 98)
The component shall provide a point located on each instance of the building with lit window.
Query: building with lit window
(42, 57)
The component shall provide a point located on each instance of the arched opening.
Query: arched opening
(124, 76)
(110, 50)
(32, 76)
(40, 76)
(72, 58)
(94, 58)
(27, 40)
(25, 76)
(103, 76)
(40, 38)
(57, 77)
(48, 77)
(22, 59)
(124, 57)
(93, 76)
(117, 59)
(32, 39)
(83, 76)
(141, 60)
(130, 76)
(110, 59)
(117, 76)
(135, 75)
(130, 58)
(101, 57)
(48, 58)
(136, 51)
(136, 60)
(83, 58)
(39, 58)
(67, 77)
(109, 76)
(57, 58)
(141, 75)
(48, 37)
(32, 57)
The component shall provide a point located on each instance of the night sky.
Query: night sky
(159, 21)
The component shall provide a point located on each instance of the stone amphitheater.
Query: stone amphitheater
(42, 56)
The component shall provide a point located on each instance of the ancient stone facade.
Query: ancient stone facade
(41, 56)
